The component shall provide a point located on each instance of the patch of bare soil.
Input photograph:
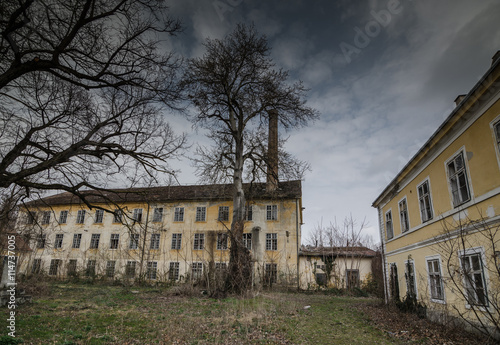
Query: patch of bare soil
(411, 329)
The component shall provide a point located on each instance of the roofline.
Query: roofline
(459, 107)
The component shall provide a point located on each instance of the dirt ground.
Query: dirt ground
(412, 329)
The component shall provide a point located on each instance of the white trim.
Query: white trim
(497, 148)
(438, 258)
(462, 151)
(452, 212)
(486, 279)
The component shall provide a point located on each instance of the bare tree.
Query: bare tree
(234, 87)
(82, 89)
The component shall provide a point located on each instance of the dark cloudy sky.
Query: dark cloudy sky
(383, 75)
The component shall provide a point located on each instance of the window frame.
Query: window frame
(63, 217)
(199, 241)
(99, 216)
(80, 217)
(110, 268)
(71, 267)
(247, 240)
(496, 137)
(456, 196)
(154, 241)
(272, 212)
(173, 270)
(222, 241)
(114, 241)
(94, 241)
(271, 273)
(435, 278)
(158, 214)
(152, 270)
(137, 215)
(117, 216)
(54, 267)
(176, 243)
(249, 213)
(272, 241)
(352, 273)
(196, 271)
(36, 266)
(422, 200)
(404, 215)
(201, 214)
(90, 270)
(46, 217)
(58, 241)
(387, 221)
(477, 251)
(223, 214)
(41, 241)
(411, 263)
(130, 269)
(134, 241)
(179, 214)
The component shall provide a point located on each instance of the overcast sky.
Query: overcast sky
(383, 75)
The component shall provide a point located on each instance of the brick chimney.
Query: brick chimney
(272, 152)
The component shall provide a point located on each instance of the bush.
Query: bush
(409, 304)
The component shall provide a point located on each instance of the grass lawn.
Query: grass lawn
(97, 314)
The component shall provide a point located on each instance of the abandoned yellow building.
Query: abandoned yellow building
(440, 216)
(175, 233)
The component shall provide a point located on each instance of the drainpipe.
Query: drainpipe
(297, 206)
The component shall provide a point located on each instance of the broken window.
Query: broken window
(117, 216)
(425, 201)
(158, 215)
(90, 272)
(63, 217)
(59, 241)
(223, 213)
(134, 241)
(130, 269)
(247, 241)
(114, 240)
(403, 215)
(72, 267)
(40, 241)
(388, 225)
(137, 215)
(196, 270)
(46, 217)
(221, 241)
(457, 175)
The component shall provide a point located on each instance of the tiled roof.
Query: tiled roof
(255, 191)
(337, 251)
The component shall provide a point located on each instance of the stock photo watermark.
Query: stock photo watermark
(373, 28)
(221, 7)
(11, 285)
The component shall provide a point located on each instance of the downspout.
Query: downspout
(384, 261)
(297, 208)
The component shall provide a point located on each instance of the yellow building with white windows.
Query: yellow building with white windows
(440, 216)
(176, 233)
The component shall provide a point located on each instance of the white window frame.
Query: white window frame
(54, 267)
(386, 221)
(94, 241)
(271, 273)
(130, 269)
(271, 212)
(117, 216)
(222, 241)
(77, 241)
(99, 216)
(80, 217)
(434, 258)
(179, 214)
(431, 204)
(155, 241)
(459, 202)
(196, 270)
(137, 215)
(176, 241)
(173, 271)
(58, 242)
(41, 241)
(46, 217)
(223, 213)
(199, 241)
(201, 214)
(412, 263)
(110, 268)
(405, 227)
(63, 217)
(247, 240)
(249, 213)
(272, 241)
(469, 252)
(152, 270)
(158, 215)
(134, 241)
(114, 241)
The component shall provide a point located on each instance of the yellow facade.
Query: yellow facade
(440, 216)
(186, 240)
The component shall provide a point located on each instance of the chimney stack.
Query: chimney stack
(272, 152)
(459, 99)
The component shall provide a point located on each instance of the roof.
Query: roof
(337, 251)
(255, 191)
(489, 80)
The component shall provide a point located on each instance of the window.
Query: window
(113, 242)
(72, 267)
(496, 128)
(221, 241)
(152, 269)
(176, 241)
(134, 241)
(37, 266)
(46, 217)
(59, 241)
(31, 217)
(473, 275)
(117, 216)
(77, 240)
(248, 213)
(272, 212)
(110, 269)
(388, 225)
(196, 270)
(54, 266)
(394, 281)
(173, 272)
(155, 241)
(223, 213)
(457, 175)
(247, 241)
(94, 241)
(99, 216)
(158, 214)
(403, 215)
(63, 217)
(130, 269)
(137, 216)
(40, 241)
(272, 241)
(201, 214)
(425, 202)
(199, 241)
(90, 272)
(220, 266)
(80, 217)
(435, 279)
(179, 214)
(411, 288)
(271, 273)
(352, 279)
